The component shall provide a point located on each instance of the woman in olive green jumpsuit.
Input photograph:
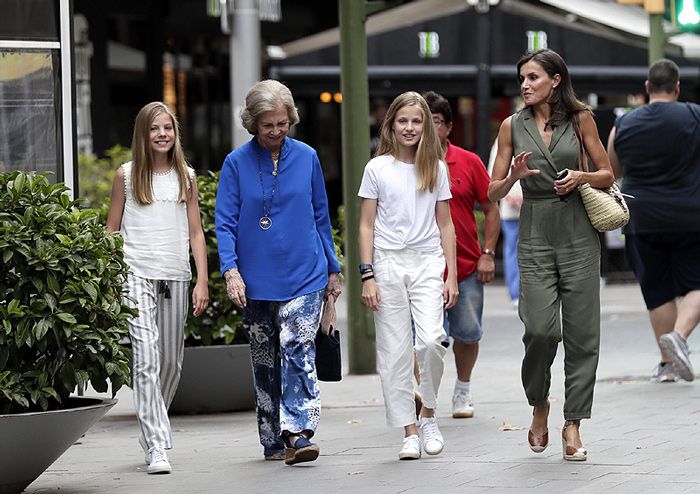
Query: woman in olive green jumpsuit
(558, 249)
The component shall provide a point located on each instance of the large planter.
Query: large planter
(31, 442)
(215, 379)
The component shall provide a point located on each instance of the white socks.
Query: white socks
(462, 386)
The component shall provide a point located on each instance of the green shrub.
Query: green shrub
(96, 176)
(61, 309)
(338, 240)
(220, 323)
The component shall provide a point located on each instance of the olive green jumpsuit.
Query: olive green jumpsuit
(559, 261)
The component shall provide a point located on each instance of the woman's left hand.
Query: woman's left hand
(450, 292)
(200, 297)
(333, 289)
(567, 184)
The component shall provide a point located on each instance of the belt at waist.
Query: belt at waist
(571, 196)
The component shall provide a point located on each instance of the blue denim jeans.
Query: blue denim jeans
(463, 321)
(282, 336)
(510, 257)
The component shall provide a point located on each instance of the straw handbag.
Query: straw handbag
(606, 208)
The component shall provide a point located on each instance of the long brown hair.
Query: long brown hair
(142, 154)
(429, 151)
(563, 102)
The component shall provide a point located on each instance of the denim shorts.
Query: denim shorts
(463, 321)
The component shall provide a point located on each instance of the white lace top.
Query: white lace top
(156, 235)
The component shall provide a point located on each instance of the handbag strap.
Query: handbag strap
(583, 159)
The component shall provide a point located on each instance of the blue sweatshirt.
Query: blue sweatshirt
(294, 256)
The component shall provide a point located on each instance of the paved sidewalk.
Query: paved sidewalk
(641, 437)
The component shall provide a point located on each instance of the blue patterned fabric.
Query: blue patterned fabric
(282, 349)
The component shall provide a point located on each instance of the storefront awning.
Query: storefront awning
(630, 19)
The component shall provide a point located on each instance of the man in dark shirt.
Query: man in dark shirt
(656, 148)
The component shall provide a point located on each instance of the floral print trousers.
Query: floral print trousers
(282, 347)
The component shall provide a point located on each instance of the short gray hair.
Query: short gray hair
(265, 96)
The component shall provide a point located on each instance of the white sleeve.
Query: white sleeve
(443, 183)
(368, 187)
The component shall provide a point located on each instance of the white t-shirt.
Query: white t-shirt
(405, 216)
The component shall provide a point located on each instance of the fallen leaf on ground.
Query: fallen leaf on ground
(509, 427)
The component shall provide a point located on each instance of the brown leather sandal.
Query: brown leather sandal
(538, 442)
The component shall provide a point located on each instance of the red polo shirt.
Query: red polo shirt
(469, 184)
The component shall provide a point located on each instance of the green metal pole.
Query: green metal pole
(657, 37)
(355, 151)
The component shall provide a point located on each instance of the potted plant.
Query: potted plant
(217, 375)
(61, 319)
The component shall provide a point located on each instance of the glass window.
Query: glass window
(29, 97)
(29, 20)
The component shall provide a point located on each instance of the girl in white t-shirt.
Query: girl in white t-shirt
(154, 207)
(406, 241)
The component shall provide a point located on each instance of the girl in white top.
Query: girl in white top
(154, 207)
(406, 240)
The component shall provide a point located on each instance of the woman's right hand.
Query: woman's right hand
(370, 295)
(519, 168)
(235, 287)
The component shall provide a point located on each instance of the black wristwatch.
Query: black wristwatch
(366, 267)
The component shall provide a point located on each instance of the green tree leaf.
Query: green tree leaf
(65, 317)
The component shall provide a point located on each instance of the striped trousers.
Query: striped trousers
(157, 341)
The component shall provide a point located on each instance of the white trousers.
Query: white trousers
(411, 288)
(157, 343)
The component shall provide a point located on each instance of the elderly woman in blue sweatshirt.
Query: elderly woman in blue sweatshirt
(278, 259)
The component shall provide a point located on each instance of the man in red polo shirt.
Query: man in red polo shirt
(469, 184)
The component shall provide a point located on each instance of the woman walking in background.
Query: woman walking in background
(154, 207)
(558, 249)
(406, 239)
(278, 258)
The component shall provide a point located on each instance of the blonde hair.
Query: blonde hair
(429, 151)
(266, 96)
(142, 154)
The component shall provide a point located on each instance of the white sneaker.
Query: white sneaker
(432, 438)
(159, 461)
(462, 405)
(410, 449)
(147, 458)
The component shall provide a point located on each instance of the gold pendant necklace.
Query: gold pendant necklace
(274, 169)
